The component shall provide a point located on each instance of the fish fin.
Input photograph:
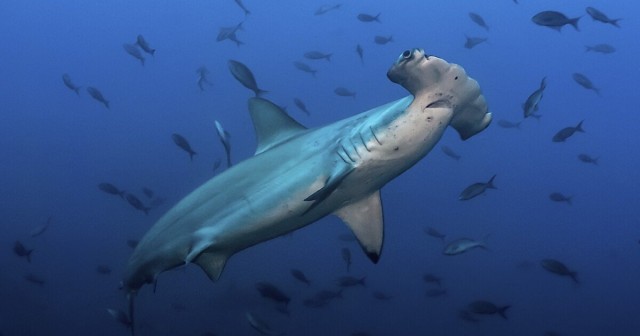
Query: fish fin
(365, 219)
(574, 277)
(615, 22)
(332, 183)
(272, 125)
(212, 263)
(490, 184)
(579, 127)
(574, 22)
(503, 311)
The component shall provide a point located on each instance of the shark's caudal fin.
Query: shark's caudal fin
(272, 124)
(366, 221)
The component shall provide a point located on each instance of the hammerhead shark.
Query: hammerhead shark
(307, 174)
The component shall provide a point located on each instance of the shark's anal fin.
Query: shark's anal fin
(212, 263)
(333, 181)
(273, 125)
(365, 219)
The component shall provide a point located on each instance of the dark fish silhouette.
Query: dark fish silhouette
(144, 45)
(435, 233)
(21, 251)
(450, 152)
(224, 138)
(326, 8)
(601, 48)
(476, 189)
(270, 291)
(242, 73)
(147, 192)
(382, 40)
(344, 92)
(111, 189)
(300, 104)
(586, 158)
(299, 275)
(121, 317)
(557, 267)
(487, 308)
(597, 15)
(133, 50)
(203, 78)
(558, 197)
(369, 18)
(554, 20)
(473, 41)
(585, 82)
(40, 229)
(360, 53)
(432, 278)
(462, 245)
(509, 124)
(229, 33)
(34, 279)
(346, 256)
(304, 67)
(181, 142)
(241, 5)
(567, 132)
(66, 79)
(137, 204)
(349, 281)
(478, 20)
(530, 106)
(97, 95)
(317, 55)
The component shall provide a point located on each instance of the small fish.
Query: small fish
(137, 204)
(382, 40)
(462, 245)
(241, 5)
(21, 251)
(270, 291)
(476, 189)
(381, 296)
(530, 106)
(224, 139)
(317, 55)
(147, 192)
(601, 48)
(597, 15)
(435, 233)
(97, 95)
(435, 292)
(34, 279)
(369, 18)
(132, 50)
(487, 308)
(478, 20)
(467, 316)
(450, 152)
(111, 189)
(304, 67)
(586, 158)
(473, 41)
(229, 33)
(585, 82)
(554, 20)
(432, 278)
(66, 79)
(567, 132)
(509, 124)
(203, 78)
(181, 142)
(242, 73)
(120, 316)
(344, 92)
(349, 281)
(40, 229)
(558, 197)
(144, 45)
(103, 269)
(260, 325)
(360, 53)
(300, 104)
(346, 256)
(299, 275)
(557, 267)
(326, 8)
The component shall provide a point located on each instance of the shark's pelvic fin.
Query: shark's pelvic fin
(365, 219)
(212, 263)
(272, 124)
(333, 181)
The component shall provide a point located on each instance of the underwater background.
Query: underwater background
(58, 146)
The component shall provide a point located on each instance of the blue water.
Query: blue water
(58, 146)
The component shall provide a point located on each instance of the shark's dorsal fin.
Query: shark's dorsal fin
(212, 263)
(272, 124)
(365, 219)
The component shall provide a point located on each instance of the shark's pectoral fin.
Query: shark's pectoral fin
(332, 183)
(212, 263)
(272, 124)
(365, 219)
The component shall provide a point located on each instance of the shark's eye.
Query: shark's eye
(407, 54)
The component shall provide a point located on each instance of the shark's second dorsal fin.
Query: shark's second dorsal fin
(212, 263)
(365, 219)
(272, 124)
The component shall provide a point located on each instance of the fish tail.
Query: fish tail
(503, 311)
(152, 52)
(106, 103)
(191, 154)
(574, 22)
(377, 17)
(615, 22)
(568, 199)
(574, 277)
(490, 183)
(587, 48)
(579, 127)
(328, 57)
(77, 90)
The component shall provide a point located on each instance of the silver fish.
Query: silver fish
(476, 189)
(585, 82)
(181, 142)
(97, 95)
(463, 245)
(242, 73)
(530, 106)
(567, 132)
(557, 267)
(304, 67)
(137, 203)
(111, 189)
(224, 139)
(597, 15)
